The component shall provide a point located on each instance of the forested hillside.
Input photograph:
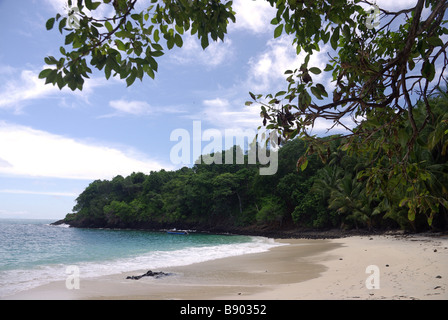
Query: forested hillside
(336, 190)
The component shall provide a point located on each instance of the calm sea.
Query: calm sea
(32, 252)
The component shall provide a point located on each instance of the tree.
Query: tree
(351, 202)
(272, 210)
(373, 69)
(419, 187)
(225, 187)
(128, 42)
(117, 211)
(378, 72)
(378, 76)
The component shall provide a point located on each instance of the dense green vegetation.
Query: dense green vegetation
(341, 189)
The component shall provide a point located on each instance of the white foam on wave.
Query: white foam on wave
(62, 225)
(187, 256)
(14, 281)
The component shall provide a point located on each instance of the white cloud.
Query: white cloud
(224, 123)
(224, 114)
(131, 107)
(35, 153)
(25, 87)
(217, 53)
(139, 108)
(4, 163)
(265, 75)
(267, 69)
(253, 16)
(58, 5)
(396, 4)
(216, 103)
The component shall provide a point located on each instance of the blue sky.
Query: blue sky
(54, 143)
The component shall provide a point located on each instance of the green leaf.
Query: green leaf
(315, 70)
(51, 77)
(60, 81)
(152, 63)
(158, 53)
(120, 45)
(204, 42)
(444, 203)
(156, 35)
(316, 92)
(403, 202)
(108, 26)
(411, 214)
(130, 80)
(428, 70)
(136, 16)
(325, 36)
(50, 60)
(280, 93)
(335, 38)
(157, 46)
(435, 41)
(95, 5)
(44, 73)
(304, 165)
(170, 43)
(150, 72)
(278, 31)
(50, 23)
(69, 38)
(62, 24)
(138, 48)
(178, 40)
(345, 147)
(179, 29)
(322, 90)
(252, 96)
(107, 71)
(88, 4)
(328, 67)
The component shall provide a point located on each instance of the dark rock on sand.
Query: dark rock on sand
(157, 274)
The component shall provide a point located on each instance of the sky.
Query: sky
(53, 142)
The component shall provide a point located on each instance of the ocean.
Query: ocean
(33, 252)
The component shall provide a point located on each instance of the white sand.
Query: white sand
(412, 267)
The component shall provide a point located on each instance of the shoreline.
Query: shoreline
(275, 233)
(409, 267)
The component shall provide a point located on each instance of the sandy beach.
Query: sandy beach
(398, 267)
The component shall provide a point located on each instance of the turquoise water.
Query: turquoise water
(33, 253)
